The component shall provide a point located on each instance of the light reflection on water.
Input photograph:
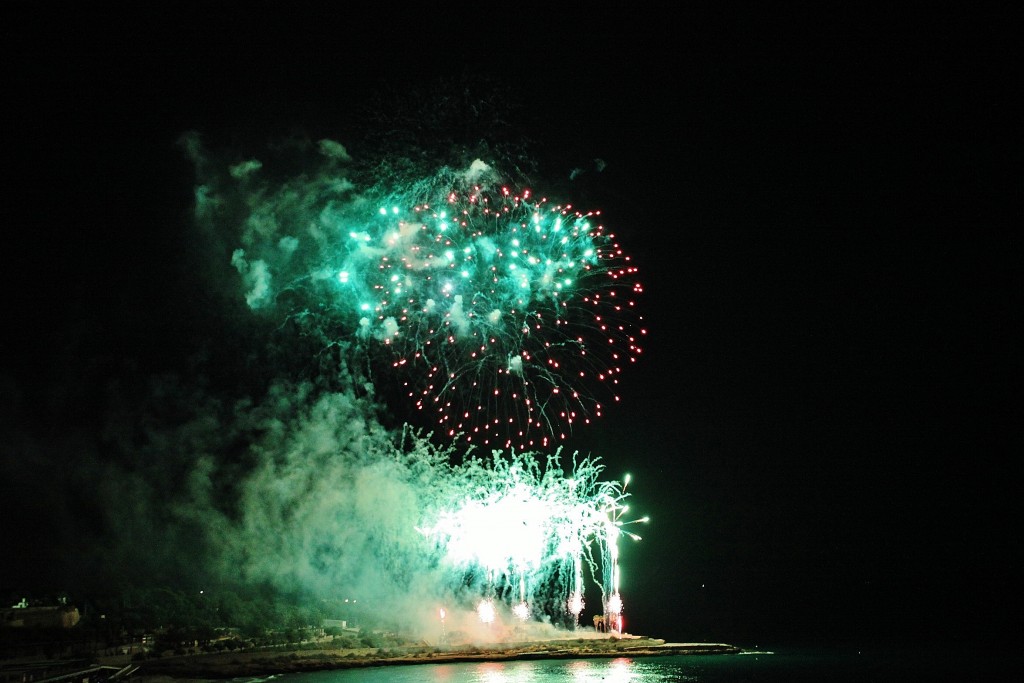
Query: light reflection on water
(621, 670)
(618, 670)
(836, 666)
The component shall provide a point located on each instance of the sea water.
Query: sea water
(763, 666)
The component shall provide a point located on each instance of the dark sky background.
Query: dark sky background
(825, 429)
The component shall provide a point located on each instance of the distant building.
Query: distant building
(51, 616)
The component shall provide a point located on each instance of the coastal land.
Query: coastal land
(245, 664)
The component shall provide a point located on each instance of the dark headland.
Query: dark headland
(234, 665)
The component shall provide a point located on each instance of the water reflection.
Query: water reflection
(621, 670)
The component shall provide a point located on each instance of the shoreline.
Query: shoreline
(239, 665)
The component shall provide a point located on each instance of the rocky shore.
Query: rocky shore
(235, 665)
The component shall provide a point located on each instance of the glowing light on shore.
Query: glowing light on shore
(485, 610)
(615, 604)
(575, 606)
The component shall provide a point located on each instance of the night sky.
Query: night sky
(825, 426)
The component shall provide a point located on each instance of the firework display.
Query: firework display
(504, 313)
(503, 318)
(507, 318)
